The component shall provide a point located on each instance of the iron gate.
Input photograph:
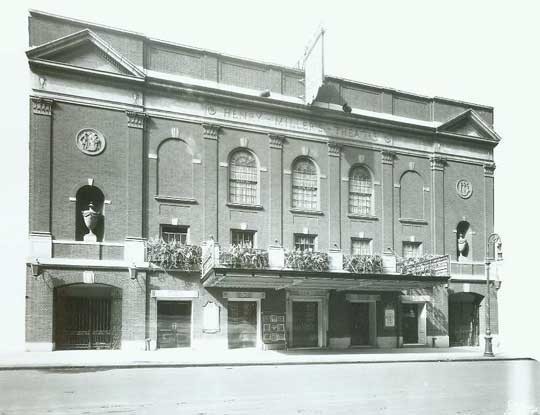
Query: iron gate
(84, 323)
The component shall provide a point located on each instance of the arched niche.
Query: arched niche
(411, 195)
(175, 169)
(89, 197)
(464, 236)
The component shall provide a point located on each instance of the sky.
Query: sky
(484, 52)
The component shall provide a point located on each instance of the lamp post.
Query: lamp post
(492, 241)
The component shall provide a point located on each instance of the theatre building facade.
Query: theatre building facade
(182, 198)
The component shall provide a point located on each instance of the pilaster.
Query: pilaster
(387, 161)
(437, 202)
(40, 165)
(334, 195)
(489, 201)
(211, 187)
(135, 176)
(276, 188)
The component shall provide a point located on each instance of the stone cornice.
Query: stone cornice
(489, 169)
(276, 141)
(136, 119)
(387, 157)
(211, 131)
(438, 163)
(42, 106)
(334, 149)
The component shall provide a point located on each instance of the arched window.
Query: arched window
(243, 178)
(305, 185)
(360, 191)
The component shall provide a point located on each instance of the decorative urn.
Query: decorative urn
(462, 246)
(91, 219)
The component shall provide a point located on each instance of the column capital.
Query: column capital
(438, 163)
(489, 169)
(42, 106)
(388, 157)
(211, 131)
(136, 119)
(276, 140)
(334, 149)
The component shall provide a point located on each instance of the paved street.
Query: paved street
(485, 387)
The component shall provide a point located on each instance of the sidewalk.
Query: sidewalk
(239, 357)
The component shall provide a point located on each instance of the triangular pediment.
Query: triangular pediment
(85, 50)
(468, 124)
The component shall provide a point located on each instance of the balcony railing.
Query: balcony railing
(277, 258)
(430, 265)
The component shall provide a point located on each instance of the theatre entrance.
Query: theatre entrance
(463, 319)
(242, 324)
(87, 317)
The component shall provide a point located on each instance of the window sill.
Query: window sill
(172, 199)
(413, 221)
(307, 211)
(362, 217)
(243, 206)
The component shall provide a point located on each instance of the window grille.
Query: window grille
(243, 178)
(304, 185)
(304, 242)
(360, 192)
(361, 247)
(178, 234)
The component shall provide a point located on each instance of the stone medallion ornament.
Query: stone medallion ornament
(464, 188)
(90, 141)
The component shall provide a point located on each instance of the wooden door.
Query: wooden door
(359, 318)
(242, 322)
(409, 321)
(173, 324)
(305, 323)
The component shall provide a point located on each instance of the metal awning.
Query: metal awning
(280, 279)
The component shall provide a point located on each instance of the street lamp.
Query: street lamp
(493, 240)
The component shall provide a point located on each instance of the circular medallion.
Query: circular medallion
(90, 141)
(464, 188)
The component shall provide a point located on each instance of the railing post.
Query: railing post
(276, 256)
(335, 260)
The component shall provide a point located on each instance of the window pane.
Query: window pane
(412, 249)
(304, 185)
(361, 246)
(243, 178)
(304, 242)
(239, 237)
(360, 192)
(171, 233)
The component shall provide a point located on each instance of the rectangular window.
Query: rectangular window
(303, 242)
(360, 246)
(245, 238)
(171, 233)
(412, 249)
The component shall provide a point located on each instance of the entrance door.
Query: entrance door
(173, 324)
(84, 323)
(409, 321)
(242, 321)
(305, 323)
(359, 317)
(463, 319)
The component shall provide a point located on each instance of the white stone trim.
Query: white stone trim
(174, 294)
(248, 295)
